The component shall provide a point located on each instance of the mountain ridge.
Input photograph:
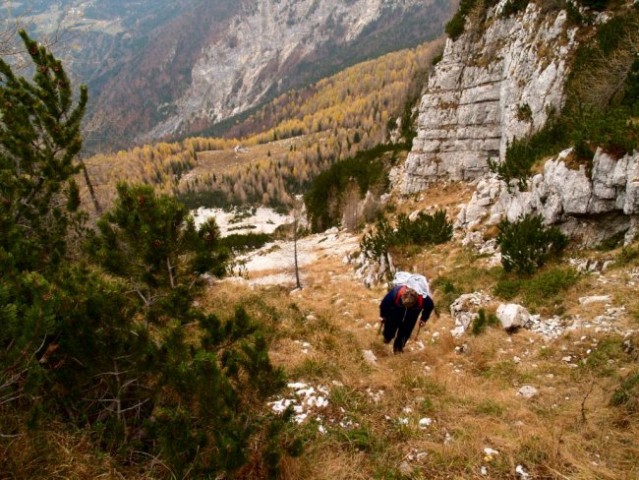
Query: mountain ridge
(168, 70)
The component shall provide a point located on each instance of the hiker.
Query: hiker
(402, 306)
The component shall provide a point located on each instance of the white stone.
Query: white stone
(464, 310)
(594, 299)
(512, 316)
(522, 473)
(527, 391)
(369, 357)
(425, 422)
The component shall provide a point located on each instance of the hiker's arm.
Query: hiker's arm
(386, 305)
(429, 306)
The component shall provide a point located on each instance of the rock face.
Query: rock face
(499, 81)
(159, 69)
(488, 89)
(590, 206)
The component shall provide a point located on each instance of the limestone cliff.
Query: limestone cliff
(496, 82)
(590, 206)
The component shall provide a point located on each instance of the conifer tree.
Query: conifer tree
(151, 241)
(39, 142)
(73, 346)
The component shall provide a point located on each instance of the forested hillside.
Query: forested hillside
(281, 148)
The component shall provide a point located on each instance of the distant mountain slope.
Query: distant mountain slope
(91, 38)
(284, 145)
(221, 62)
(164, 70)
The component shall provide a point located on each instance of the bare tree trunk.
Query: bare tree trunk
(297, 270)
(87, 179)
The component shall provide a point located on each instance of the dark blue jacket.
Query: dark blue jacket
(391, 308)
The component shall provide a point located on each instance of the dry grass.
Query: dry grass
(52, 454)
(228, 161)
(568, 430)
(319, 335)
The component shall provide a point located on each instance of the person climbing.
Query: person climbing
(402, 306)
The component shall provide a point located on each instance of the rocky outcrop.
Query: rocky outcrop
(499, 81)
(588, 205)
(488, 89)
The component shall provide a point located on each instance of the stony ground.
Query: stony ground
(531, 404)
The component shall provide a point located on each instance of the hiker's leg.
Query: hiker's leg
(389, 330)
(398, 344)
(405, 331)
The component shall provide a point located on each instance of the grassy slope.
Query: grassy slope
(569, 430)
(319, 335)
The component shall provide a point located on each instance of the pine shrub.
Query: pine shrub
(109, 340)
(424, 230)
(482, 321)
(324, 197)
(627, 394)
(526, 244)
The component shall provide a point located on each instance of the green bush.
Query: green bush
(627, 255)
(523, 153)
(206, 199)
(627, 395)
(483, 321)
(424, 230)
(243, 242)
(603, 360)
(526, 244)
(455, 27)
(377, 243)
(512, 7)
(366, 169)
(449, 291)
(508, 288)
(544, 289)
(598, 5)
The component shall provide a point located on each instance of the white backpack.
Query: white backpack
(413, 281)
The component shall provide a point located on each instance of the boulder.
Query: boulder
(512, 316)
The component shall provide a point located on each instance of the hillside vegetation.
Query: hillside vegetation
(287, 144)
(126, 353)
(451, 407)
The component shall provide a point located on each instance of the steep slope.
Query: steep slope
(536, 403)
(94, 39)
(217, 60)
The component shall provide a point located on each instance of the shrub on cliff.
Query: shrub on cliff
(424, 230)
(527, 244)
